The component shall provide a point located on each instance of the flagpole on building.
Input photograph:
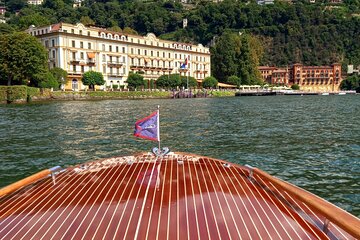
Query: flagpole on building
(158, 127)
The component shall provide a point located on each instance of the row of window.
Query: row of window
(113, 59)
(125, 38)
(111, 70)
(39, 32)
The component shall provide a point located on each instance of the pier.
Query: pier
(269, 92)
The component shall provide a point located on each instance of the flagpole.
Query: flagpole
(187, 79)
(158, 128)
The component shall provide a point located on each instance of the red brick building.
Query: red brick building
(309, 78)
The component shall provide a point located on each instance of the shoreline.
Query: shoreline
(23, 94)
(10, 97)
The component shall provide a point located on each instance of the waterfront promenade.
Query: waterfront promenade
(269, 92)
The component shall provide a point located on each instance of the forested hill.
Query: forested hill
(298, 32)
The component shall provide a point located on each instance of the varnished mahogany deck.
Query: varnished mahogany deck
(179, 196)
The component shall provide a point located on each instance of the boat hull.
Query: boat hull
(178, 196)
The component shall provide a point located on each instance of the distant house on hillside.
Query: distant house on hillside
(2, 10)
(335, 1)
(35, 2)
(265, 2)
(77, 3)
(351, 70)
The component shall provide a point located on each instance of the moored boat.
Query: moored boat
(172, 196)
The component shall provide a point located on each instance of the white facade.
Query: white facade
(78, 49)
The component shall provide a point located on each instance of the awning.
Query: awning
(226, 85)
(91, 55)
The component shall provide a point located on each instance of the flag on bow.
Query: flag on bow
(148, 128)
(184, 64)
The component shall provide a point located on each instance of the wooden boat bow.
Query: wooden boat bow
(177, 196)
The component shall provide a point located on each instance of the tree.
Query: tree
(235, 80)
(34, 19)
(87, 21)
(188, 82)
(22, 59)
(5, 28)
(49, 81)
(135, 80)
(14, 5)
(295, 87)
(168, 81)
(238, 55)
(128, 30)
(210, 82)
(351, 83)
(59, 74)
(92, 78)
(54, 4)
(115, 29)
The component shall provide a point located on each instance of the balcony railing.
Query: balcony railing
(151, 67)
(75, 60)
(116, 74)
(115, 63)
(91, 62)
(71, 72)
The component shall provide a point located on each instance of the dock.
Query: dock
(267, 92)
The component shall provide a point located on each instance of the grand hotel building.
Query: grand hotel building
(78, 49)
(309, 78)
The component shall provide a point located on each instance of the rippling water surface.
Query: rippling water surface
(311, 141)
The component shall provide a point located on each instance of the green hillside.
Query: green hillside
(299, 32)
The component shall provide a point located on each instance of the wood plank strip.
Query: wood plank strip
(93, 204)
(172, 214)
(219, 204)
(74, 206)
(204, 216)
(129, 200)
(103, 207)
(161, 227)
(18, 201)
(249, 202)
(338, 216)
(152, 226)
(107, 228)
(152, 183)
(227, 207)
(228, 188)
(147, 216)
(133, 210)
(305, 228)
(45, 201)
(110, 210)
(192, 218)
(284, 226)
(212, 221)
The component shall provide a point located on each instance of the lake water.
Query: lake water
(311, 141)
